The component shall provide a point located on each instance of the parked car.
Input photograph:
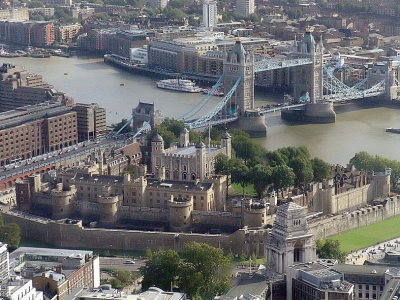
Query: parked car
(129, 262)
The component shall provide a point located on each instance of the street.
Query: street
(119, 263)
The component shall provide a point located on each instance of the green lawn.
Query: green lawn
(370, 235)
(248, 190)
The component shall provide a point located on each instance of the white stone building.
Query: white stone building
(210, 16)
(290, 240)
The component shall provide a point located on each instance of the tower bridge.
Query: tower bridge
(315, 88)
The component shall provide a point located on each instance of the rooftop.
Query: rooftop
(31, 113)
(190, 150)
(43, 252)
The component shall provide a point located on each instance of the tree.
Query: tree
(254, 17)
(173, 125)
(302, 169)
(161, 270)
(36, 17)
(35, 4)
(223, 166)
(362, 161)
(240, 174)
(330, 249)
(190, 280)
(261, 178)
(174, 14)
(276, 158)
(282, 177)
(10, 234)
(321, 169)
(245, 148)
(126, 129)
(215, 269)
(131, 169)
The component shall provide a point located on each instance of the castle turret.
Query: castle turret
(62, 199)
(180, 213)
(226, 143)
(157, 150)
(254, 214)
(108, 206)
(160, 173)
(184, 138)
(200, 160)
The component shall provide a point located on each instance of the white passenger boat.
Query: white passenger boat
(182, 85)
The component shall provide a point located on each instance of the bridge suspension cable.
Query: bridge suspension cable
(146, 125)
(202, 121)
(354, 93)
(338, 86)
(203, 102)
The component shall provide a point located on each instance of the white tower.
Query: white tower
(210, 17)
(290, 240)
(245, 7)
(4, 263)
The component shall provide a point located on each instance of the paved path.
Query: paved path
(373, 252)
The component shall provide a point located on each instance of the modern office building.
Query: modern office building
(4, 263)
(57, 272)
(105, 292)
(245, 7)
(20, 88)
(158, 3)
(210, 16)
(18, 13)
(91, 121)
(20, 289)
(315, 281)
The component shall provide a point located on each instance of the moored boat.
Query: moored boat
(393, 130)
(218, 93)
(182, 85)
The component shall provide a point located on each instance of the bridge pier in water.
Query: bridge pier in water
(239, 65)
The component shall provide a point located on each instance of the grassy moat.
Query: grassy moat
(370, 235)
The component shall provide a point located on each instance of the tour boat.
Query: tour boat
(394, 130)
(182, 85)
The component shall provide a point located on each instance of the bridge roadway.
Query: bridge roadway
(58, 157)
(261, 110)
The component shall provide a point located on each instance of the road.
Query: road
(57, 156)
(119, 263)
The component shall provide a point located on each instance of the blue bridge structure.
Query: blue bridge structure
(315, 87)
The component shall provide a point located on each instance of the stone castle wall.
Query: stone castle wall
(345, 222)
(65, 233)
(73, 234)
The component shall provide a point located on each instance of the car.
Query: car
(129, 262)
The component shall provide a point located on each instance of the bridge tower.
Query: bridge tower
(239, 62)
(391, 86)
(308, 79)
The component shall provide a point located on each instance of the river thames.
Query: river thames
(91, 80)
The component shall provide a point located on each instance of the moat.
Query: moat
(91, 80)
